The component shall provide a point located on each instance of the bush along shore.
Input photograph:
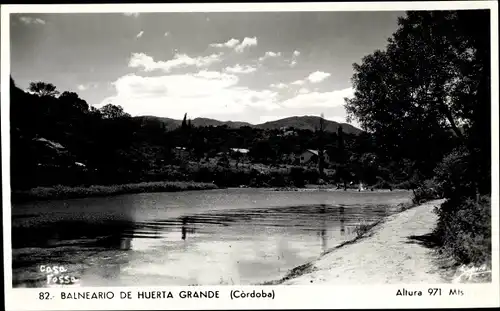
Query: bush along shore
(195, 176)
(65, 192)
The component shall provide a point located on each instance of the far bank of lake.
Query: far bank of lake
(61, 192)
(67, 192)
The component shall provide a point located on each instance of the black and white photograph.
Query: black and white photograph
(250, 148)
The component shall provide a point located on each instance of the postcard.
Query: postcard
(250, 155)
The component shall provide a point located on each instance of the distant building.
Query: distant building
(311, 155)
(241, 154)
(181, 152)
(49, 143)
(239, 150)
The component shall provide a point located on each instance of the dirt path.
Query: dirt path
(393, 253)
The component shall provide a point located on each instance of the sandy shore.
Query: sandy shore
(394, 252)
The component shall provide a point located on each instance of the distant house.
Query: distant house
(311, 155)
(49, 143)
(239, 153)
(240, 150)
(181, 152)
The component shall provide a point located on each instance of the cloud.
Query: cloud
(241, 69)
(140, 34)
(296, 53)
(269, 55)
(293, 63)
(180, 60)
(279, 85)
(236, 45)
(166, 34)
(318, 76)
(303, 91)
(215, 75)
(84, 87)
(247, 42)
(231, 43)
(134, 14)
(198, 94)
(298, 82)
(319, 99)
(30, 20)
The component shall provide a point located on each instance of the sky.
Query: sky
(248, 66)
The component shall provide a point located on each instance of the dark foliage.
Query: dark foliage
(426, 101)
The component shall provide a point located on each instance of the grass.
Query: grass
(295, 272)
(363, 228)
(65, 192)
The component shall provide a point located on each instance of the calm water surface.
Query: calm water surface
(230, 236)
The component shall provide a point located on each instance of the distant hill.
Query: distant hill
(212, 122)
(308, 123)
(303, 123)
(170, 124)
(173, 123)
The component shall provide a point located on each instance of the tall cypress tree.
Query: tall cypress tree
(184, 122)
(321, 146)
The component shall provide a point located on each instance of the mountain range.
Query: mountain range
(303, 123)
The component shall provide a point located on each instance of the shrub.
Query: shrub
(464, 228)
(363, 228)
(407, 185)
(277, 180)
(297, 176)
(454, 176)
(425, 192)
(382, 184)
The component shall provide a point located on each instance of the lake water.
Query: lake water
(230, 236)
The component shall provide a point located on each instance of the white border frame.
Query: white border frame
(310, 296)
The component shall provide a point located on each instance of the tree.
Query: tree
(321, 146)
(184, 122)
(263, 152)
(74, 101)
(430, 84)
(111, 112)
(43, 89)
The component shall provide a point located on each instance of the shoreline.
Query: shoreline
(308, 267)
(67, 192)
(394, 250)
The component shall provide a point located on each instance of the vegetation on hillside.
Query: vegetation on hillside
(302, 123)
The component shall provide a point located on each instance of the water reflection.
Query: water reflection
(72, 233)
(239, 245)
(187, 227)
(342, 220)
(324, 241)
(126, 244)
